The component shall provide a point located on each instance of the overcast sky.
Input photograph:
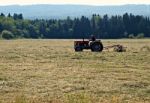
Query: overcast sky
(85, 2)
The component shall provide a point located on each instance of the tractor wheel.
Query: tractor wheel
(78, 49)
(96, 47)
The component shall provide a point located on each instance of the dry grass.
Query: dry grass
(49, 71)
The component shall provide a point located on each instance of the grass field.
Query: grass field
(49, 71)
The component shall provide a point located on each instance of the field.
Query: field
(49, 71)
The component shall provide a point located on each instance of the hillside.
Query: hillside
(44, 11)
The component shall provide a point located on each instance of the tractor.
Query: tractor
(93, 44)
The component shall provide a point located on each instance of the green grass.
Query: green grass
(49, 71)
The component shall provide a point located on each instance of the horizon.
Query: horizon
(71, 4)
(77, 2)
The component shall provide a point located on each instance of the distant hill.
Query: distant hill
(45, 11)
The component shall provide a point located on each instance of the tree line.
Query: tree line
(125, 26)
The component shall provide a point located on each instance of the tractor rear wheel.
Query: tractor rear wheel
(96, 46)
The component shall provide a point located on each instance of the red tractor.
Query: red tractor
(93, 44)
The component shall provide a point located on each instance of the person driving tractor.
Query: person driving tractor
(93, 38)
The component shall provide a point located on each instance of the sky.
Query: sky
(83, 2)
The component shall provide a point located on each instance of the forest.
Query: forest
(104, 27)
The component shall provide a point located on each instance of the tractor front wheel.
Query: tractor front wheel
(78, 49)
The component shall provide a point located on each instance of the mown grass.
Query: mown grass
(49, 71)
